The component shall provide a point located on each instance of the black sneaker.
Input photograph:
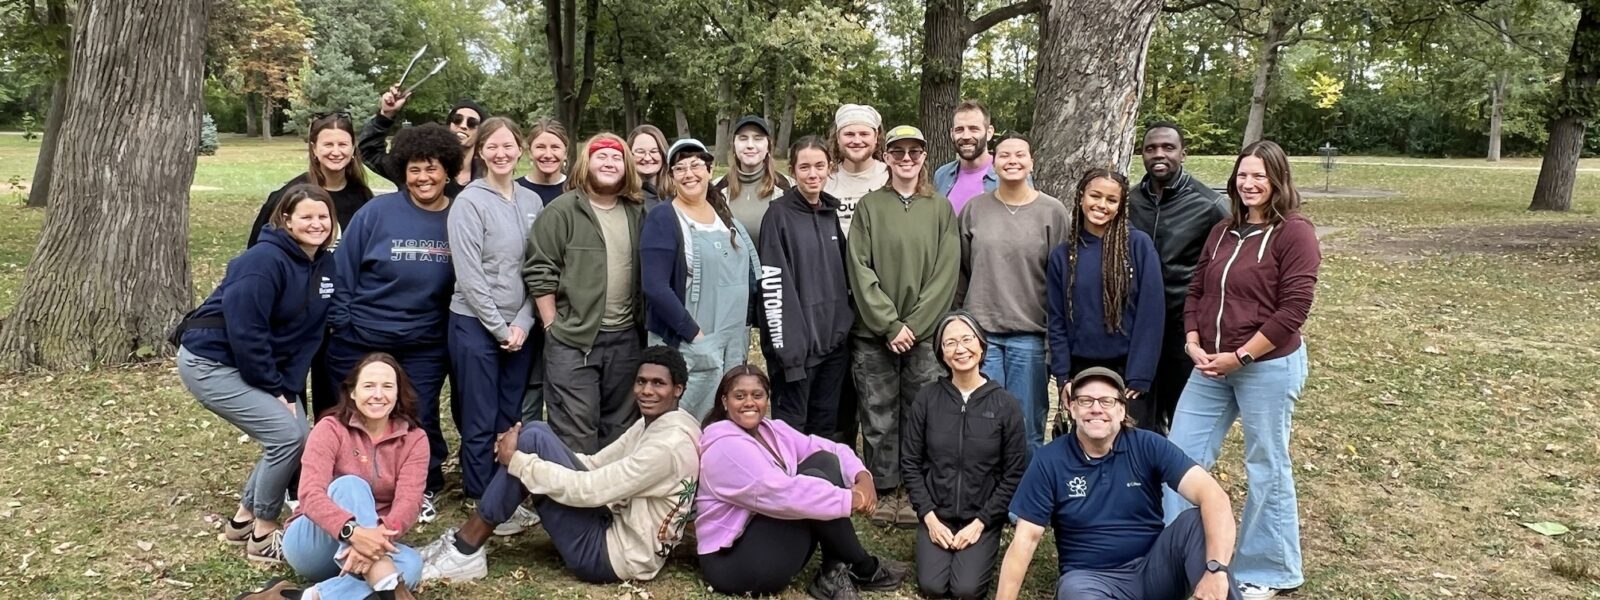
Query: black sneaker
(833, 582)
(889, 576)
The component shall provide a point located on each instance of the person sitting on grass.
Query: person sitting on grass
(1100, 487)
(361, 481)
(614, 515)
(772, 495)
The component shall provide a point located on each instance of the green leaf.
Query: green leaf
(1547, 528)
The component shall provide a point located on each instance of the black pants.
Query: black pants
(965, 574)
(1172, 372)
(811, 405)
(771, 552)
(589, 396)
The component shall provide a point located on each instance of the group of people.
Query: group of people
(595, 324)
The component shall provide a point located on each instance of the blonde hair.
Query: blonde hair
(630, 188)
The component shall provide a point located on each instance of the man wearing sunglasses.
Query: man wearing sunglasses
(463, 120)
(1099, 486)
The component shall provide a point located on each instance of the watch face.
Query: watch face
(1214, 566)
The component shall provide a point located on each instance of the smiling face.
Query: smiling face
(750, 146)
(1162, 153)
(905, 160)
(1102, 200)
(376, 391)
(746, 402)
(1095, 422)
(654, 391)
(464, 123)
(960, 347)
(309, 223)
(333, 149)
(501, 152)
(811, 169)
(1250, 179)
(646, 154)
(858, 142)
(970, 134)
(607, 167)
(690, 175)
(548, 153)
(1013, 160)
(425, 180)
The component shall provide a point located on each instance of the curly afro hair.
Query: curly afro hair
(671, 359)
(423, 143)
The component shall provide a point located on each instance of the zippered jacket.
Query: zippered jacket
(1177, 219)
(804, 293)
(395, 465)
(1260, 281)
(566, 257)
(963, 460)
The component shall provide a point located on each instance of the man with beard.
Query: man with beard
(463, 121)
(1177, 210)
(973, 172)
(857, 143)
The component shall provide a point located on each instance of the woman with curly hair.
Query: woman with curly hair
(395, 280)
(1105, 293)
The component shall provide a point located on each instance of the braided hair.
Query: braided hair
(1116, 265)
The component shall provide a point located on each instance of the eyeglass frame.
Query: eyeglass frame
(1105, 402)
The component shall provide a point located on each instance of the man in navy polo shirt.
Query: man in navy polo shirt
(1100, 488)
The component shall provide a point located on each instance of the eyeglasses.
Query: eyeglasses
(902, 153)
(342, 115)
(1104, 401)
(965, 340)
(642, 152)
(464, 121)
(687, 167)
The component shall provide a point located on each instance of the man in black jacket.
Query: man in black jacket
(463, 121)
(1177, 210)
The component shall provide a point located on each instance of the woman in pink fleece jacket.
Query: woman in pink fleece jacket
(361, 481)
(769, 495)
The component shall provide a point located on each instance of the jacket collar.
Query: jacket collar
(397, 428)
(1179, 181)
(979, 395)
(794, 200)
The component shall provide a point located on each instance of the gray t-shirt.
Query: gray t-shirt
(1004, 251)
(620, 250)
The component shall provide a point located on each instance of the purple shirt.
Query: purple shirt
(968, 184)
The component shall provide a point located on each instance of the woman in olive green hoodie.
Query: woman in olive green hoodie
(583, 273)
(905, 259)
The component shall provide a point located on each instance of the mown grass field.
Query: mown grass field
(1452, 398)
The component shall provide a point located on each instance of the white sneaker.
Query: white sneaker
(1251, 591)
(429, 512)
(291, 503)
(443, 562)
(444, 540)
(520, 521)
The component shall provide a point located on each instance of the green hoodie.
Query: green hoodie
(905, 259)
(567, 257)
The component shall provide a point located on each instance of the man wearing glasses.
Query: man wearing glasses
(463, 120)
(1099, 487)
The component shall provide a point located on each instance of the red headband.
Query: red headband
(604, 143)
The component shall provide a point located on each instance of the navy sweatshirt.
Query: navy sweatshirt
(1085, 334)
(273, 300)
(394, 275)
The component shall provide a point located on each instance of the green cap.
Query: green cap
(906, 132)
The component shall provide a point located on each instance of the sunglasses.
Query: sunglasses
(464, 121)
(901, 153)
(341, 115)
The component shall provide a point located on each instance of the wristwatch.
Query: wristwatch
(348, 530)
(1216, 567)
(1244, 357)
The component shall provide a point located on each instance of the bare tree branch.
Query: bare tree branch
(1001, 15)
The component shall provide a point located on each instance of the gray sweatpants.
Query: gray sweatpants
(888, 382)
(281, 433)
(589, 396)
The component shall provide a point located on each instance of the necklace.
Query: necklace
(1013, 208)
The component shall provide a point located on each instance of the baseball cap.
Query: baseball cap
(759, 122)
(1100, 373)
(905, 132)
(684, 145)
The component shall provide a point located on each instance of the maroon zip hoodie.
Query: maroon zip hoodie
(1261, 281)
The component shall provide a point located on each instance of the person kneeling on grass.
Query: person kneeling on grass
(614, 515)
(1100, 487)
(361, 481)
(772, 495)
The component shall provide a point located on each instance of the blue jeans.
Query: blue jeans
(1016, 361)
(310, 551)
(1262, 397)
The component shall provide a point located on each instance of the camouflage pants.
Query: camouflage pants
(887, 383)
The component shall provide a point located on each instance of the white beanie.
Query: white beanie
(851, 114)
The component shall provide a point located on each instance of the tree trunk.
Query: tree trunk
(252, 116)
(944, 38)
(56, 14)
(725, 118)
(266, 117)
(110, 275)
(1266, 70)
(1579, 97)
(682, 121)
(786, 123)
(1497, 108)
(1091, 74)
(630, 105)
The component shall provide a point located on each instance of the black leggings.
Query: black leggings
(771, 552)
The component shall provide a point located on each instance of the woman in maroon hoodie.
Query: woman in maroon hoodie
(1249, 298)
(361, 480)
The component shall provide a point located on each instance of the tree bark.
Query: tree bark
(681, 120)
(266, 117)
(725, 118)
(110, 275)
(1266, 71)
(252, 116)
(1091, 75)
(1578, 101)
(946, 32)
(786, 124)
(56, 14)
(561, 38)
(1497, 109)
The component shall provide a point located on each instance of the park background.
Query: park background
(1445, 443)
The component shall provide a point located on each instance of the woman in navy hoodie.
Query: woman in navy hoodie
(1104, 288)
(395, 280)
(245, 351)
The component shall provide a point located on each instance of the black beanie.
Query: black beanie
(465, 103)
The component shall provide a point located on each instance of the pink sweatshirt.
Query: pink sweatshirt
(739, 479)
(396, 466)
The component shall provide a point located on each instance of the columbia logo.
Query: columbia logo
(1134, 484)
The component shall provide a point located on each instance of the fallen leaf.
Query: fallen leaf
(1432, 350)
(1547, 528)
(143, 545)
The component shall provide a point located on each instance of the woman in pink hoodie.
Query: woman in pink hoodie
(769, 495)
(361, 480)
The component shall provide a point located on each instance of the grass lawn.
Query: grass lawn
(1452, 399)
